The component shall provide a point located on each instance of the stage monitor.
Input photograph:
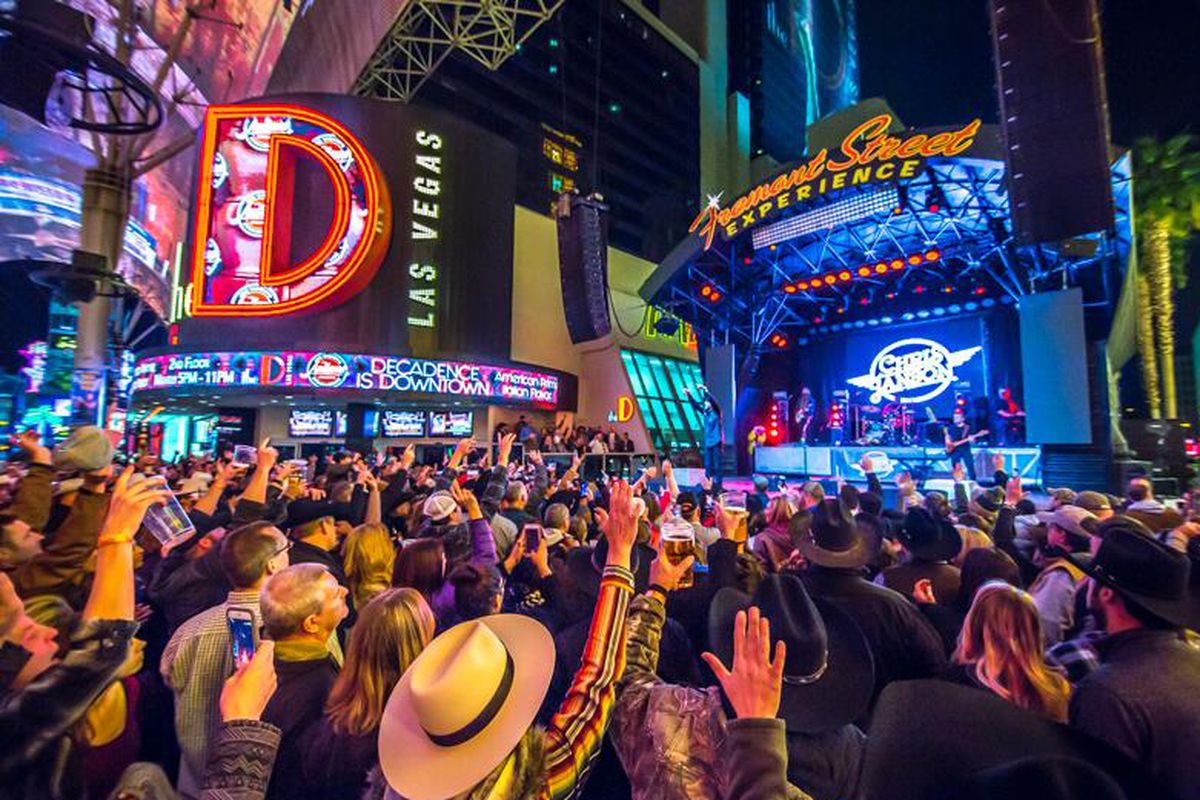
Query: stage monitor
(310, 422)
(1054, 359)
(451, 423)
(400, 424)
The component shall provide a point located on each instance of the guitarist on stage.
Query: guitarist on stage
(958, 442)
(806, 409)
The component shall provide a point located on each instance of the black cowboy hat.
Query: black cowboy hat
(1147, 573)
(830, 537)
(928, 536)
(829, 675)
(918, 747)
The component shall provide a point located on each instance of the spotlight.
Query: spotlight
(864, 301)
(919, 289)
(790, 288)
(980, 290)
(914, 259)
(802, 285)
(830, 280)
(817, 320)
(897, 263)
(706, 290)
(891, 295)
(844, 275)
(715, 296)
(948, 289)
(932, 255)
(747, 260)
(864, 271)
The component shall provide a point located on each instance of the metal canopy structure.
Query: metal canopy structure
(427, 31)
(938, 244)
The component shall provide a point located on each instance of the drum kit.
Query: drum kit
(891, 424)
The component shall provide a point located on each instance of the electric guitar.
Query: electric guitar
(952, 446)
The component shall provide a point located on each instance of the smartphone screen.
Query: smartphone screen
(241, 635)
(532, 534)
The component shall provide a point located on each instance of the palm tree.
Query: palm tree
(1166, 189)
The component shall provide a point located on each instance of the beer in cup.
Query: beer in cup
(679, 542)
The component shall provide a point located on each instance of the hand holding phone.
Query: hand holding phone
(241, 635)
(533, 536)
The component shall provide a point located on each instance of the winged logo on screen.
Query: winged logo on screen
(912, 370)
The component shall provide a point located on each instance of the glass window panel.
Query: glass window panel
(635, 382)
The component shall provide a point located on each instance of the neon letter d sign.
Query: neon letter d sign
(254, 195)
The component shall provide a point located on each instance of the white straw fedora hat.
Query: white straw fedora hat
(463, 705)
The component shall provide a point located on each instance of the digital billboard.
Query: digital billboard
(304, 422)
(397, 424)
(451, 423)
(290, 202)
(346, 372)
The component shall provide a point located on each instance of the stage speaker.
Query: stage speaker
(583, 266)
(1054, 115)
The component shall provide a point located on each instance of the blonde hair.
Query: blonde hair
(368, 561)
(1002, 638)
(390, 633)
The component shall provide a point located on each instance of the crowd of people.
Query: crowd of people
(367, 627)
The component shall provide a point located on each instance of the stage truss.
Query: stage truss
(427, 31)
(957, 208)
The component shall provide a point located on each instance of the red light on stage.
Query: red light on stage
(173, 335)
(790, 288)
(747, 260)
(715, 296)
(864, 271)
(932, 255)
(844, 275)
(918, 289)
(891, 295)
(934, 208)
(817, 320)
(914, 259)
(830, 280)
(980, 290)
(897, 263)
(864, 301)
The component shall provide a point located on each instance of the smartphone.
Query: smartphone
(533, 536)
(241, 634)
(244, 455)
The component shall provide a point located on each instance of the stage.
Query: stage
(824, 461)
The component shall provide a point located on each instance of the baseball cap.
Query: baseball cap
(439, 505)
(87, 448)
(1092, 501)
(1074, 519)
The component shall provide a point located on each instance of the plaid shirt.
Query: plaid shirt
(195, 664)
(1077, 658)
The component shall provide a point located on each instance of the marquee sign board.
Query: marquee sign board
(335, 371)
(912, 370)
(867, 155)
(249, 197)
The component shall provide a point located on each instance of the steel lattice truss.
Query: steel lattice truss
(428, 30)
(957, 208)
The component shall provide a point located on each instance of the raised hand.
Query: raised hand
(267, 455)
(754, 683)
(505, 449)
(665, 574)
(958, 473)
(1013, 491)
(998, 462)
(461, 450)
(541, 556)
(247, 691)
(535, 456)
(128, 505)
(466, 498)
(621, 524)
(30, 443)
(865, 464)
(410, 455)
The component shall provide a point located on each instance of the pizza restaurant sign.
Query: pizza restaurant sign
(867, 155)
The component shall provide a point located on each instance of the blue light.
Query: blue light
(907, 316)
(553, 69)
(939, 312)
(923, 314)
(872, 322)
(860, 324)
(955, 308)
(988, 302)
(971, 305)
(886, 320)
